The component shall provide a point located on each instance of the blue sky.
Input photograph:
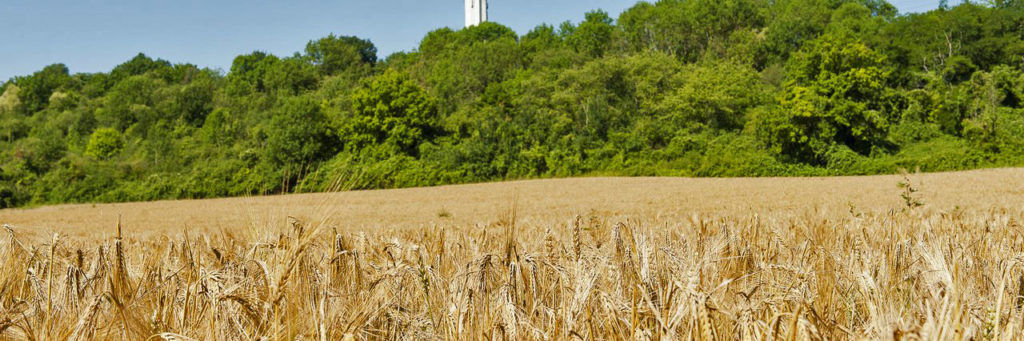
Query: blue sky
(96, 35)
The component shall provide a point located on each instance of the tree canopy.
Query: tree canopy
(669, 87)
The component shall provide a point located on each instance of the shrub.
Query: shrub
(105, 143)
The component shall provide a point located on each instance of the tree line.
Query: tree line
(671, 88)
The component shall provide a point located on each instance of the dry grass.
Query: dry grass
(539, 202)
(888, 270)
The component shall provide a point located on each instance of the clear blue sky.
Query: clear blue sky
(96, 35)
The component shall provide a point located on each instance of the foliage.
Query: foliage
(670, 87)
(297, 135)
(838, 94)
(593, 36)
(389, 111)
(104, 143)
(346, 54)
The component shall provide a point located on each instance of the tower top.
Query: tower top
(476, 12)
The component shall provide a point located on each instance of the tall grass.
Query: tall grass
(897, 274)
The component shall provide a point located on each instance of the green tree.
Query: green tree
(10, 102)
(140, 65)
(105, 143)
(716, 95)
(437, 41)
(1001, 4)
(221, 128)
(35, 90)
(793, 23)
(544, 47)
(194, 101)
(291, 76)
(298, 134)
(837, 94)
(129, 102)
(249, 72)
(389, 110)
(340, 54)
(594, 35)
(689, 28)
(671, 87)
(540, 38)
(457, 67)
(12, 124)
(485, 32)
(968, 35)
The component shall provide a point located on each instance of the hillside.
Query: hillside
(672, 88)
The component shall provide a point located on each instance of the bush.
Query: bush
(105, 143)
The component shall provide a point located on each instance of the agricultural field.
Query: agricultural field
(585, 170)
(920, 256)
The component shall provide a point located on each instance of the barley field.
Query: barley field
(920, 256)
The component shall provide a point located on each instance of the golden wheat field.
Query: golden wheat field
(929, 256)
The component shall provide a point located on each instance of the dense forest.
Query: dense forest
(672, 88)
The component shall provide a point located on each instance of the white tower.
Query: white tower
(476, 12)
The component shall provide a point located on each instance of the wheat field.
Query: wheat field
(929, 256)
